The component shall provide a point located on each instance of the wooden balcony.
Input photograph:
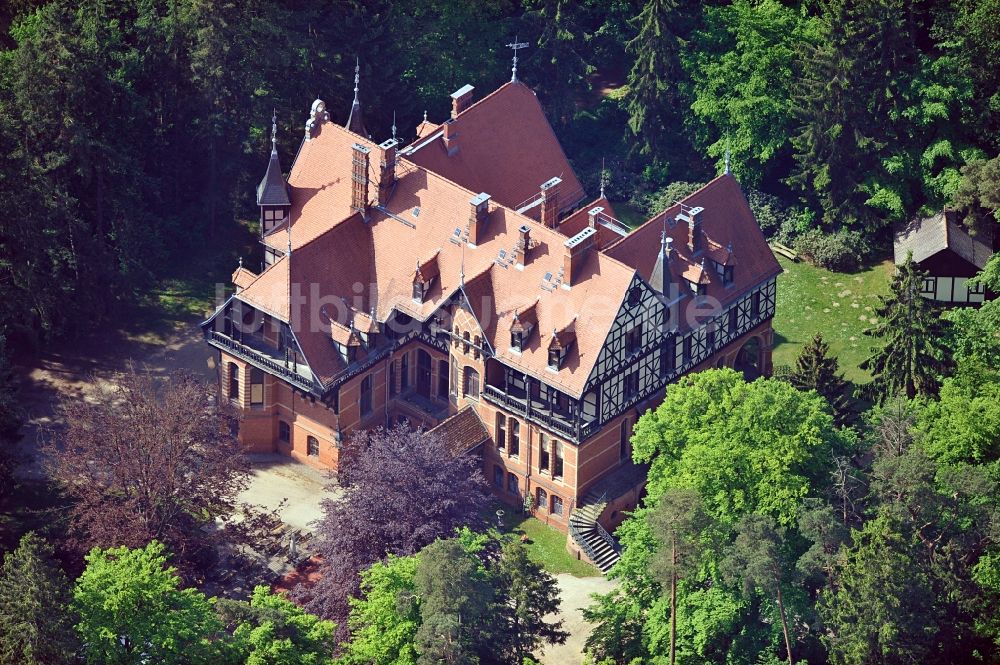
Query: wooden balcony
(258, 353)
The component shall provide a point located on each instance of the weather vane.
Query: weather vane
(516, 45)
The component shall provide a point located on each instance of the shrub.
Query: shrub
(841, 250)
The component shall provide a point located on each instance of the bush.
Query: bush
(663, 198)
(777, 219)
(841, 251)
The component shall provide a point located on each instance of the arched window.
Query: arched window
(543, 452)
(442, 379)
(512, 486)
(557, 505)
(501, 432)
(465, 343)
(312, 446)
(366, 395)
(515, 437)
(284, 432)
(557, 459)
(234, 381)
(256, 387)
(543, 499)
(478, 345)
(404, 372)
(471, 383)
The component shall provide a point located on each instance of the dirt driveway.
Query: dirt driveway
(574, 595)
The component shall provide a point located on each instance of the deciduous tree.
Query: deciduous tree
(133, 610)
(401, 490)
(148, 459)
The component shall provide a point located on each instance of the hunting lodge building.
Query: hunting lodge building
(465, 282)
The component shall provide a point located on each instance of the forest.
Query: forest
(797, 519)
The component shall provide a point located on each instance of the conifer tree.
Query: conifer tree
(653, 83)
(914, 356)
(816, 369)
(36, 622)
(527, 593)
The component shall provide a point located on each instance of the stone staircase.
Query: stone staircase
(599, 546)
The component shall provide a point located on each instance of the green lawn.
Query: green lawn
(546, 545)
(839, 305)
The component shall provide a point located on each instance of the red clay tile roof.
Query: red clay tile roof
(506, 148)
(242, 278)
(606, 231)
(726, 219)
(462, 432)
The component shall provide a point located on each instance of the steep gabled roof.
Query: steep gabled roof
(462, 432)
(929, 236)
(506, 147)
(726, 219)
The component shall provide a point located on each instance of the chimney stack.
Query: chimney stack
(359, 179)
(550, 202)
(478, 216)
(577, 249)
(694, 228)
(450, 135)
(461, 99)
(387, 170)
(594, 216)
(523, 245)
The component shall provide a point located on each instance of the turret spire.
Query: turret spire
(355, 122)
(516, 45)
(274, 131)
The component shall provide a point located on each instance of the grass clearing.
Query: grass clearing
(546, 545)
(838, 305)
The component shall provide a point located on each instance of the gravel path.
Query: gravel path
(574, 594)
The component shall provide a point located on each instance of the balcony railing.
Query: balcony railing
(260, 359)
(563, 425)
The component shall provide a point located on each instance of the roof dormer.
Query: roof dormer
(559, 345)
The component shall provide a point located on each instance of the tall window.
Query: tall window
(543, 452)
(256, 387)
(454, 379)
(498, 476)
(633, 340)
(284, 432)
(465, 342)
(515, 437)
(543, 499)
(404, 372)
(471, 383)
(366, 395)
(501, 434)
(557, 459)
(312, 446)
(443, 379)
(755, 304)
(557, 505)
(512, 484)
(392, 378)
(234, 381)
(632, 384)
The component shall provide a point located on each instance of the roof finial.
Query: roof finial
(461, 274)
(425, 115)
(516, 45)
(241, 261)
(393, 125)
(357, 76)
(274, 131)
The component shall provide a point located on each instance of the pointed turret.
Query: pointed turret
(272, 192)
(660, 278)
(355, 122)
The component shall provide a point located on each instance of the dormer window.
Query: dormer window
(727, 276)
(418, 291)
(516, 340)
(698, 289)
(555, 358)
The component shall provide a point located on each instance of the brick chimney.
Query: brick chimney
(577, 249)
(387, 169)
(594, 215)
(479, 213)
(694, 228)
(359, 179)
(450, 137)
(550, 202)
(523, 245)
(461, 99)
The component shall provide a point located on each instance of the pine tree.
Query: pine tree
(677, 522)
(914, 356)
(816, 369)
(36, 622)
(558, 69)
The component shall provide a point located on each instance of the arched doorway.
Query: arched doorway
(423, 373)
(748, 359)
